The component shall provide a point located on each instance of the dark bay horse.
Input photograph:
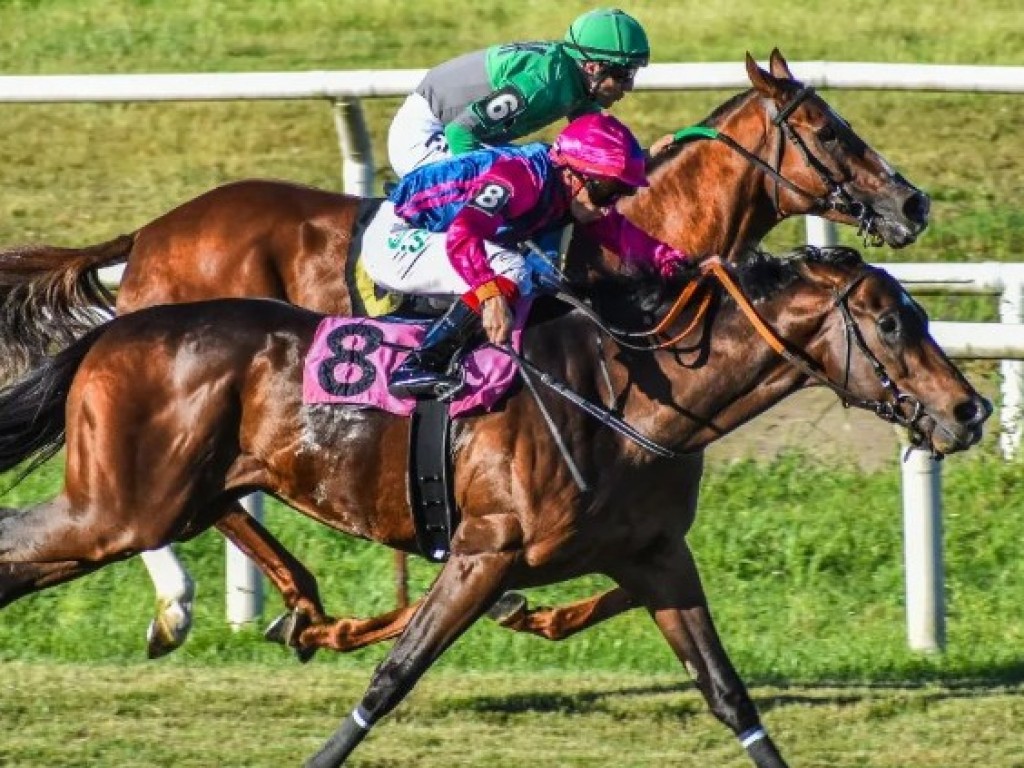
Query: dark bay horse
(782, 151)
(212, 410)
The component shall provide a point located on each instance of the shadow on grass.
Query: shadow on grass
(829, 693)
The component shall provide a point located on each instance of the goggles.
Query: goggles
(605, 193)
(620, 72)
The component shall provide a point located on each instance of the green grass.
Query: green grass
(806, 584)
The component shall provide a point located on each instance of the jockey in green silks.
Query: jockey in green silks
(502, 93)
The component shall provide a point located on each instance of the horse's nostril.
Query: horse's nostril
(916, 207)
(972, 411)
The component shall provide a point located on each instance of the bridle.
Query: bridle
(902, 408)
(837, 198)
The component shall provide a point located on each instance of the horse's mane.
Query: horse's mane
(634, 303)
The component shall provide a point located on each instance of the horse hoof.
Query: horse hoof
(285, 629)
(169, 629)
(509, 606)
(281, 630)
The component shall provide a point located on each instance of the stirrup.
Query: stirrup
(443, 386)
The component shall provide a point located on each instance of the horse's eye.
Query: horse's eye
(827, 133)
(888, 325)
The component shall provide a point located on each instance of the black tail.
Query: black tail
(50, 296)
(32, 410)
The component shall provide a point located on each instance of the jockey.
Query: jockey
(501, 93)
(453, 229)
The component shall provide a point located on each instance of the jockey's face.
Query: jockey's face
(610, 82)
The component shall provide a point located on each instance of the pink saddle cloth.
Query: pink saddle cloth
(351, 358)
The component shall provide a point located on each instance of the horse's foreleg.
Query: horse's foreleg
(560, 621)
(465, 588)
(292, 579)
(306, 628)
(297, 585)
(669, 586)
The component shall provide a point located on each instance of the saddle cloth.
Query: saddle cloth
(351, 358)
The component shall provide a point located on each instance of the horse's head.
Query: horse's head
(873, 342)
(826, 168)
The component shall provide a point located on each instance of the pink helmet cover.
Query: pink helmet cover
(597, 144)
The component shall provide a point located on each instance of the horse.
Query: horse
(774, 151)
(213, 410)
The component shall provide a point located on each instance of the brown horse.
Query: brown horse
(212, 410)
(781, 151)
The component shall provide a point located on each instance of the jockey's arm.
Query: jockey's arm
(502, 194)
(618, 234)
(522, 104)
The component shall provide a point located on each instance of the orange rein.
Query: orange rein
(715, 268)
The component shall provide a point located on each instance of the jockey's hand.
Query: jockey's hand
(660, 145)
(497, 320)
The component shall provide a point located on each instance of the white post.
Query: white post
(356, 148)
(1011, 310)
(821, 232)
(922, 549)
(244, 593)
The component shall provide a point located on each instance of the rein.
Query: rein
(890, 411)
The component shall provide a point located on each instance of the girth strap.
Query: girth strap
(431, 496)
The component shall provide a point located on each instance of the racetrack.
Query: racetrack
(149, 715)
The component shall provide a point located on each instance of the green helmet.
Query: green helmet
(608, 35)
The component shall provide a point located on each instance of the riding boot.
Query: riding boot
(427, 371)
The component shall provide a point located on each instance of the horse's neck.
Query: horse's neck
(708, 199)
(689, 406)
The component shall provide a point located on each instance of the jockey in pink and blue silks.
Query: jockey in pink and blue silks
(496, 95)
(454, 228)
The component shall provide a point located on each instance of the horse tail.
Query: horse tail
(50, 296)
(32, 417)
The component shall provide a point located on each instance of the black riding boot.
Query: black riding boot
(426, 371)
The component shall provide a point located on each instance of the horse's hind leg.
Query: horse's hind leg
(350, 634)
(53, 542)
(465, 588)
(21, 579)
(668, 584)
(560, 621)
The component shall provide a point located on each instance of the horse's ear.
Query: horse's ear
(780, 68)
(763, 81)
